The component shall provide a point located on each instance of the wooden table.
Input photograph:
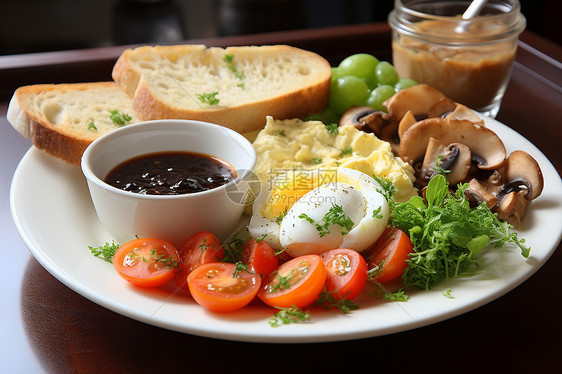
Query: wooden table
(46, 327)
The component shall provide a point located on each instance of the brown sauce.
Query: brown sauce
(170, 173)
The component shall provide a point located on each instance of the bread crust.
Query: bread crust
(246, 116)
(56, 140)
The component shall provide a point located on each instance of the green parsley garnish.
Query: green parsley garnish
(327, 301)
(209, 98)
(92, 126)
(289, 315)
(228, 58)
(120, 119)
(447, 294)
(332, 129)
(106, 251)
(316, 160)
(334, 216)
(447, 233)
(346, 151)
(377, 213)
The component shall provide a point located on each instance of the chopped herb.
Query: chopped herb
(240, 266)
(437, 168)
(280, 217)
(106, 251)
(316, 160)
(334, 216)
(170, 262)
(241, 85)
(327, 301)
(447, 293)
(332, 129)
(289, 315)
(346, 151)
(92, 126)
(377, 213)
(282, 133)
(337, 163)
(260, 238)
(233, 249)
(282, 282)
(120, 119)
(229, 58)
(209, 98)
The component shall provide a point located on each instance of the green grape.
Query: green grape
(404, 83)
(379, 95)
(336, 73)
(386, 73)
(360, 65)
(347, 91)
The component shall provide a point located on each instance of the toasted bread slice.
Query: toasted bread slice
(63, 119)
(250, 83)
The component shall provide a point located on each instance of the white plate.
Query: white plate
(54, 216)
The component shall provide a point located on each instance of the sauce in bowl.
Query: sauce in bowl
(171, 173)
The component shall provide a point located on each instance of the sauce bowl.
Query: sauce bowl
(175, 218)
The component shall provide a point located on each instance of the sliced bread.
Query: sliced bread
(63, 119)
(236, 87)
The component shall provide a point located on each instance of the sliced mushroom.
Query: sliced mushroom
(365, 118)
(513, 207)
(522, 173)
(419, 98)
(487, 149)
(453, 159)
(368, 119)
(476, 193)
(462, 113)
(406, 122)
(442, 108)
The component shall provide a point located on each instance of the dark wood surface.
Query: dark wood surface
(46, 327)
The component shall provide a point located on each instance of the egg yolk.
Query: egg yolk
(289, 187)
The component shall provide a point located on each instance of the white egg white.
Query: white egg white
(355, 192)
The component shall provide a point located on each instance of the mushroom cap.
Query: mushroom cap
(364, 116)
(486, 147)
(521, 168)
(462, 112)
(406, 122)
(419, 98)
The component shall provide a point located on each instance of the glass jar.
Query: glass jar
(470, 61)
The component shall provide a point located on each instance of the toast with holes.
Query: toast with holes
(236, 87)
(63, 119)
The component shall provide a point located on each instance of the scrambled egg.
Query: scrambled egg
(285, 145)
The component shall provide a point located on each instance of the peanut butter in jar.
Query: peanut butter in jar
(470, 61)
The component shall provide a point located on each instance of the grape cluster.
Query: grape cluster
(361, 79)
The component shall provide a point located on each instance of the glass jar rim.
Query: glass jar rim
(403, 19)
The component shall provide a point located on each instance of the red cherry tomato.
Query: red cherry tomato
(346, 273)
(297, 282)
(260, 257)
(390, 253)
(216, 287)
(146, 262)
(201, 248)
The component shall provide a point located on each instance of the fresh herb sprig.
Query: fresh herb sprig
(120, 119)
(289, 315)
(447, 233)
(106, 251)
(209, 98)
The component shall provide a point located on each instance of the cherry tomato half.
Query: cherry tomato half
(260, 257)
(146, 262)
(390, 253)
(201, 248)
(346, 273)
(216, 287)
(297, 282)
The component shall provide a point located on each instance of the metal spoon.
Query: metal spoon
(472, 11)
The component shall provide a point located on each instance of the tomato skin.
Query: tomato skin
(346, 273)
(146, 262)
(309, 276)
(260, 257)
(202, 248)
(214, 287)
(391, 250)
